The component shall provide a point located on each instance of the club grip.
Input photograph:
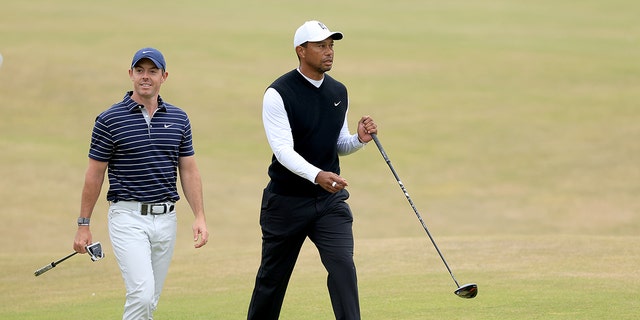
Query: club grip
(44, 269)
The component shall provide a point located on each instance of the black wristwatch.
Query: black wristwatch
(83, 221)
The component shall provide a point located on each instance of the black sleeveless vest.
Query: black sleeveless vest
(316, 116)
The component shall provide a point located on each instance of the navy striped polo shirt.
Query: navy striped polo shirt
(142, 158)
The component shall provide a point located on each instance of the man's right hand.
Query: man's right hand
(83, 239)
(331, 181)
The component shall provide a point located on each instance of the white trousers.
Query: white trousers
(143, 246)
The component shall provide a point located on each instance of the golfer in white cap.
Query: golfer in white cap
(305, 120)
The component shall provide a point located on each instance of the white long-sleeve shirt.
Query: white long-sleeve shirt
(278, 130)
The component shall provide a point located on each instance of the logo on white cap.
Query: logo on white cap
(322, 25)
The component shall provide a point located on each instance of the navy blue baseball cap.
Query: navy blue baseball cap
(151, 54)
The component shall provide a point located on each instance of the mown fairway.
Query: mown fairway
(514, 125)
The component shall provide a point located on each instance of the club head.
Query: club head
(95, 251)
(467, 291)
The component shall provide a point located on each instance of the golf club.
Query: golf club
(467, 291)
(52, 265)
(94, 250)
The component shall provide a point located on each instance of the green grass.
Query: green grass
(513, 124)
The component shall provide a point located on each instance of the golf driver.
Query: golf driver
(94, 250)
(467, 291)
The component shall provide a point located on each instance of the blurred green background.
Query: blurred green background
(514, 126)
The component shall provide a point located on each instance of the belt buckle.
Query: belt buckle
(147, 208)
(162, 205)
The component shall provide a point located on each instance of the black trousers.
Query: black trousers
(286, 222)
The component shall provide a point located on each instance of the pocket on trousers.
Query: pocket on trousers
(266, 201)
(113, 212)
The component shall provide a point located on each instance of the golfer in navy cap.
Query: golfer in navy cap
(144, 143)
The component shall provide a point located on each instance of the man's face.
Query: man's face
(319, 55)
(147, 78)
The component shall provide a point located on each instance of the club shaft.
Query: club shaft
(65, 258)
(406, 194)
(52, 265)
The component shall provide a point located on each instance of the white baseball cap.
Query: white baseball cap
(314, 31)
